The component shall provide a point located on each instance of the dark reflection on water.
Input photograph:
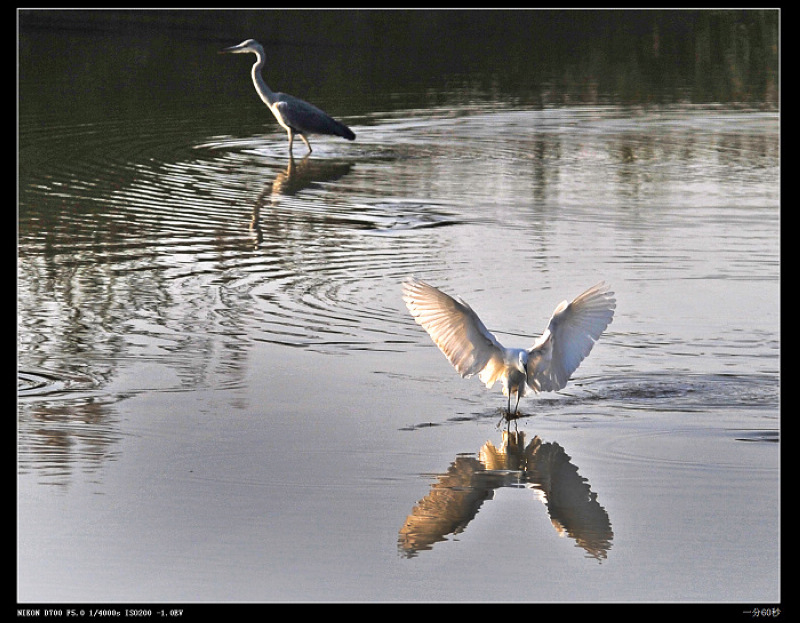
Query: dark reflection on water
(403, 58)
(543, 467)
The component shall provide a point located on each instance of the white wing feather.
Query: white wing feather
(456, 329)
(569, 338)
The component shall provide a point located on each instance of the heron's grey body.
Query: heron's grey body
(547, 366)
(296, 116)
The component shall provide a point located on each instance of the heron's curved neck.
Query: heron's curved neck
(264, 92)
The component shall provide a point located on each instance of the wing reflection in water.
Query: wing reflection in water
(458, 494)
(297, 176)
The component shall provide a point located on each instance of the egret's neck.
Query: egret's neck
(264, 92)
(521, 361)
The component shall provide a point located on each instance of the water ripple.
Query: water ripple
(684, 392)
(177, 235)
(45, 384)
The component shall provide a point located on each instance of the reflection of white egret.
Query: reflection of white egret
(295, 115)
(545, 468)
(472, 349)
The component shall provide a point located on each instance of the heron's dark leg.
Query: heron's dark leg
(305, 140)
(291, 140)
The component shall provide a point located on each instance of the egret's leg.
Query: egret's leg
(508, 424)
(305, 140)
(516, 407)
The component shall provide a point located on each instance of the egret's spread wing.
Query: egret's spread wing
(456, 330)
(308, 119)
(569, 338)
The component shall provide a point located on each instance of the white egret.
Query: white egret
(296, 116)
(547, 366)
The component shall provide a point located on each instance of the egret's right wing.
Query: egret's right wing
(456, 330)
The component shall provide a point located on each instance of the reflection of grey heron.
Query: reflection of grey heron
(295, 115)
(472, 349)
(297, 176)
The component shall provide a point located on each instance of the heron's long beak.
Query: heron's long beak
(232, 50)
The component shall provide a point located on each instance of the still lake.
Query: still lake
(222, 397)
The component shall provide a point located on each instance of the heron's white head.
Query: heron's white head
(522, 362)
(248, 45)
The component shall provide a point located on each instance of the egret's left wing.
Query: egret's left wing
(569, 338)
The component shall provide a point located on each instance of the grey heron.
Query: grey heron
(295, 115)
(547, 366)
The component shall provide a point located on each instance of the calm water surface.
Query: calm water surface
(222, 397)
